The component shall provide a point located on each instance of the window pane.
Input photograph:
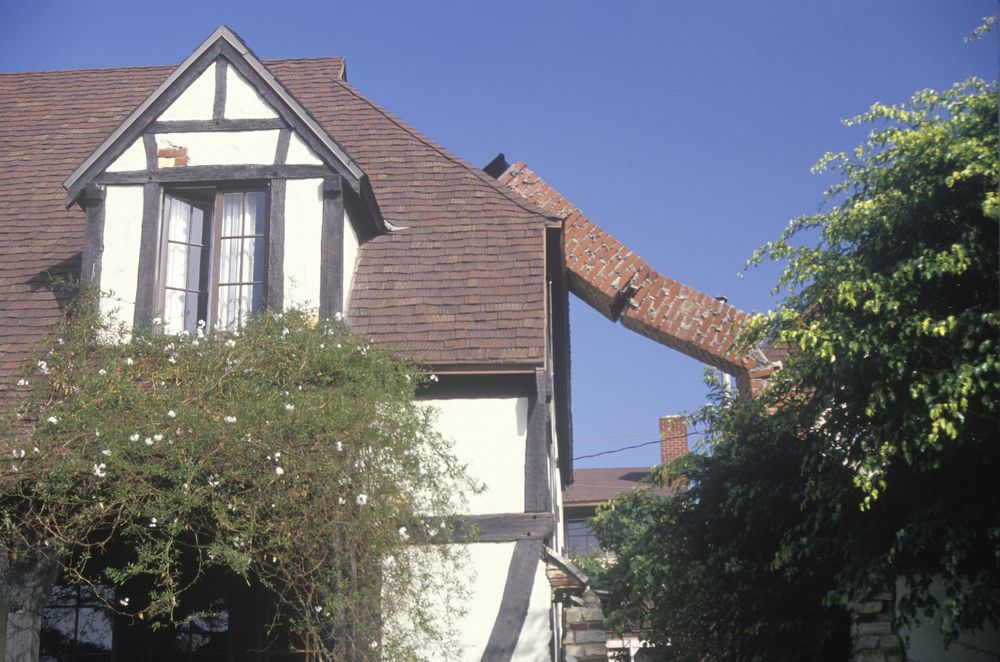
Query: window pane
(254, 260)
(232, 208)
(197, 226)
(94, 630)
(259, 259)
(173, 311)
(228, 307)
(229, 261)
(180, 213)
(176, 265)
(194, 311)
(257, 299)
(253, 220)
(194, 269)
(246, 292)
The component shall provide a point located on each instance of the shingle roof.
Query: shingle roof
(463, 285)
(593, 486)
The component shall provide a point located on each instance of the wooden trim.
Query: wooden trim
(135, 124)
(145, 291)
(281, 151)
(219, 100)
(220, 124)
(504, 527)
(332, 249)
(214, 173)
(341, 159)
(536, 449)
(93, 238)
(276, 247)
(514, 605)
(502, 385)
(152, 153)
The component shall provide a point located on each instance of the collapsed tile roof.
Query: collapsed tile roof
(462, 285)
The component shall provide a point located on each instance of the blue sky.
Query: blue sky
(686, 128)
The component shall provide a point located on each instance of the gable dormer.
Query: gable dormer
(219, 196)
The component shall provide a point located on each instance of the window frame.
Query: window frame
(214, 215)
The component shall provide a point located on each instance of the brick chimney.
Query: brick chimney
(673, 438)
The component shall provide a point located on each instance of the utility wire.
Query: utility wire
(629, 448)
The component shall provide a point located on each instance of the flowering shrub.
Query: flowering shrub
(291, 456)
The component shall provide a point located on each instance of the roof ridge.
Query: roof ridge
(150, 67)
(504, 191)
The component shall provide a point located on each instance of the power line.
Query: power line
(694, 431)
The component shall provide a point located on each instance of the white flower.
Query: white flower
(340, 500)
(289, 407)
(171, 414)
(102, 371)
(433, 378)
(157, 320)
(403, 535)
(230, 343)
(129, 361)
(43, 367)
(152, 522)
(338, 316)
(99, 470)
(340, 446)
(229, 419)
(106, 453)
(284, 332)
(22, 382)
(279, 471)
(374, 645)
(318, 609)
(201, 324)
(35, 450)
(322, 345)
(157, 437)
(123, 602)
(52, 419)
(361, 499)
(214, 481)
(148, 441)
(173, 359)
(168, 347)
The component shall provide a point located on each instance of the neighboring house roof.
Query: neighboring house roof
(593, 486)
(460, 286)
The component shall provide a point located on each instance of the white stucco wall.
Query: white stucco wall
(489, 436)
(194, 103)
(120, 259)
(300, 154)
(133, 158)
(303, 238)
(242, 100)
(350, 259)
(925, 644)
(533, 644)
(222, 147)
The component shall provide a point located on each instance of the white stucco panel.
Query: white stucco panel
(120, 259)
(483, 577)
(533, 645)
(133, 158)
(489, 436)
(194, 103)
(303, 237)
(299, 152)
(350, 259)
(243, 101)
(222, 147)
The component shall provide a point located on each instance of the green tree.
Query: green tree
(291, 456)
(878, 442)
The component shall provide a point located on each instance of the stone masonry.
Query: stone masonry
(583, 635)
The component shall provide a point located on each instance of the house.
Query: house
(227, 185)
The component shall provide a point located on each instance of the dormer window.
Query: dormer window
(213, 257)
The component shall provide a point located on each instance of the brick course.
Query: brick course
(621, 286)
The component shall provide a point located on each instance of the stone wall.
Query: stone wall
(873, 636)
(582, 627)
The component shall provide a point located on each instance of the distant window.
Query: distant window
(213, 258)
(580, 538)
(76, 626)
